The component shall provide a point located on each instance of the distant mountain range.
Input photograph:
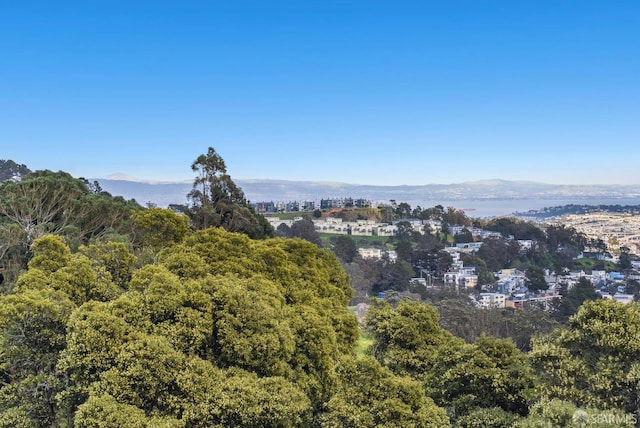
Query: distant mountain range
(163, 194)
(485, 193)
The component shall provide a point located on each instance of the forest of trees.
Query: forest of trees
(115, 315)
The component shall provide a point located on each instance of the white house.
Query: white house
(492, 300)
(370, 253)
(385, 230)
(622, 298)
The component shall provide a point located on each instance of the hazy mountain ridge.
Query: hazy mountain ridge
(257, 190)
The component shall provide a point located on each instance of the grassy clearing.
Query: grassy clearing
(364, 343)
(360, 241)
(584, 264)
(590, 264)
(364, 340)
(372, 241)
(290, 215)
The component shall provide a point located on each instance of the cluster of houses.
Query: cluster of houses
(310, 205)
(511, 291)
(337, 226)
(616, 229)
(508, 291)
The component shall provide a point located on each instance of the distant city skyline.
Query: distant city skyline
(361, 92)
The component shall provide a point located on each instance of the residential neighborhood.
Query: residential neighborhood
(617, 230)
(509, 285)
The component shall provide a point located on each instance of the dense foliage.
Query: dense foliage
(217, 201)
(216, 318)
(9, 170)
(46, 202)
(113, 315)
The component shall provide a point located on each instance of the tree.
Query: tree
(370, 395)
(217, 398)
(593, 362)
(403, 210)
(535, 280)
(114, 256)
(599, 245)
(45, 202)
(33, 326)
(462, 237)
(488, 374)
(404, 231)
(438, 262)
(559, 413)
(393, 276)
(465, 320)
(251, 328)
(408, 339)
(404, 251)
(632, 287)
(523, 325)
(218, 202)
(572, 299)
(624, 261)
(565, 239)
(48, 202)
(494, 417)
(12, 253)
(428, 242)
(455, 217)
(498, 253)
(104, 411)
(387, 214)
(485, 276)
(50, 253)
(158, 227)
(345, 248)
(511, 226)
(305, 229)
(283, 231)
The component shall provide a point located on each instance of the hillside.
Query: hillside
(9, 170)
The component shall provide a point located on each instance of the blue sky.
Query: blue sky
(369, 92)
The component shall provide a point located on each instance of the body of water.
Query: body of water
(487, 208)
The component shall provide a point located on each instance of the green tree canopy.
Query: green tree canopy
(370, 395)
(345, 248)
(221, 330)
(158, 227)
(218, 202)
(305, 229)
(594, 361)
(535, 279)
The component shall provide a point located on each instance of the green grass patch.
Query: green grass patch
(360, 241)
(591, 264)
(365, 340)
(364, 343)
(326, 239)
(290, 215)
(584, 264)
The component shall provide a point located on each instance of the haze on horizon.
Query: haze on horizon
(362, 92)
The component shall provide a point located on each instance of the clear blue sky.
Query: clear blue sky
(371, 92)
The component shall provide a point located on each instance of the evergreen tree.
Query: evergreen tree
(216, 201)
